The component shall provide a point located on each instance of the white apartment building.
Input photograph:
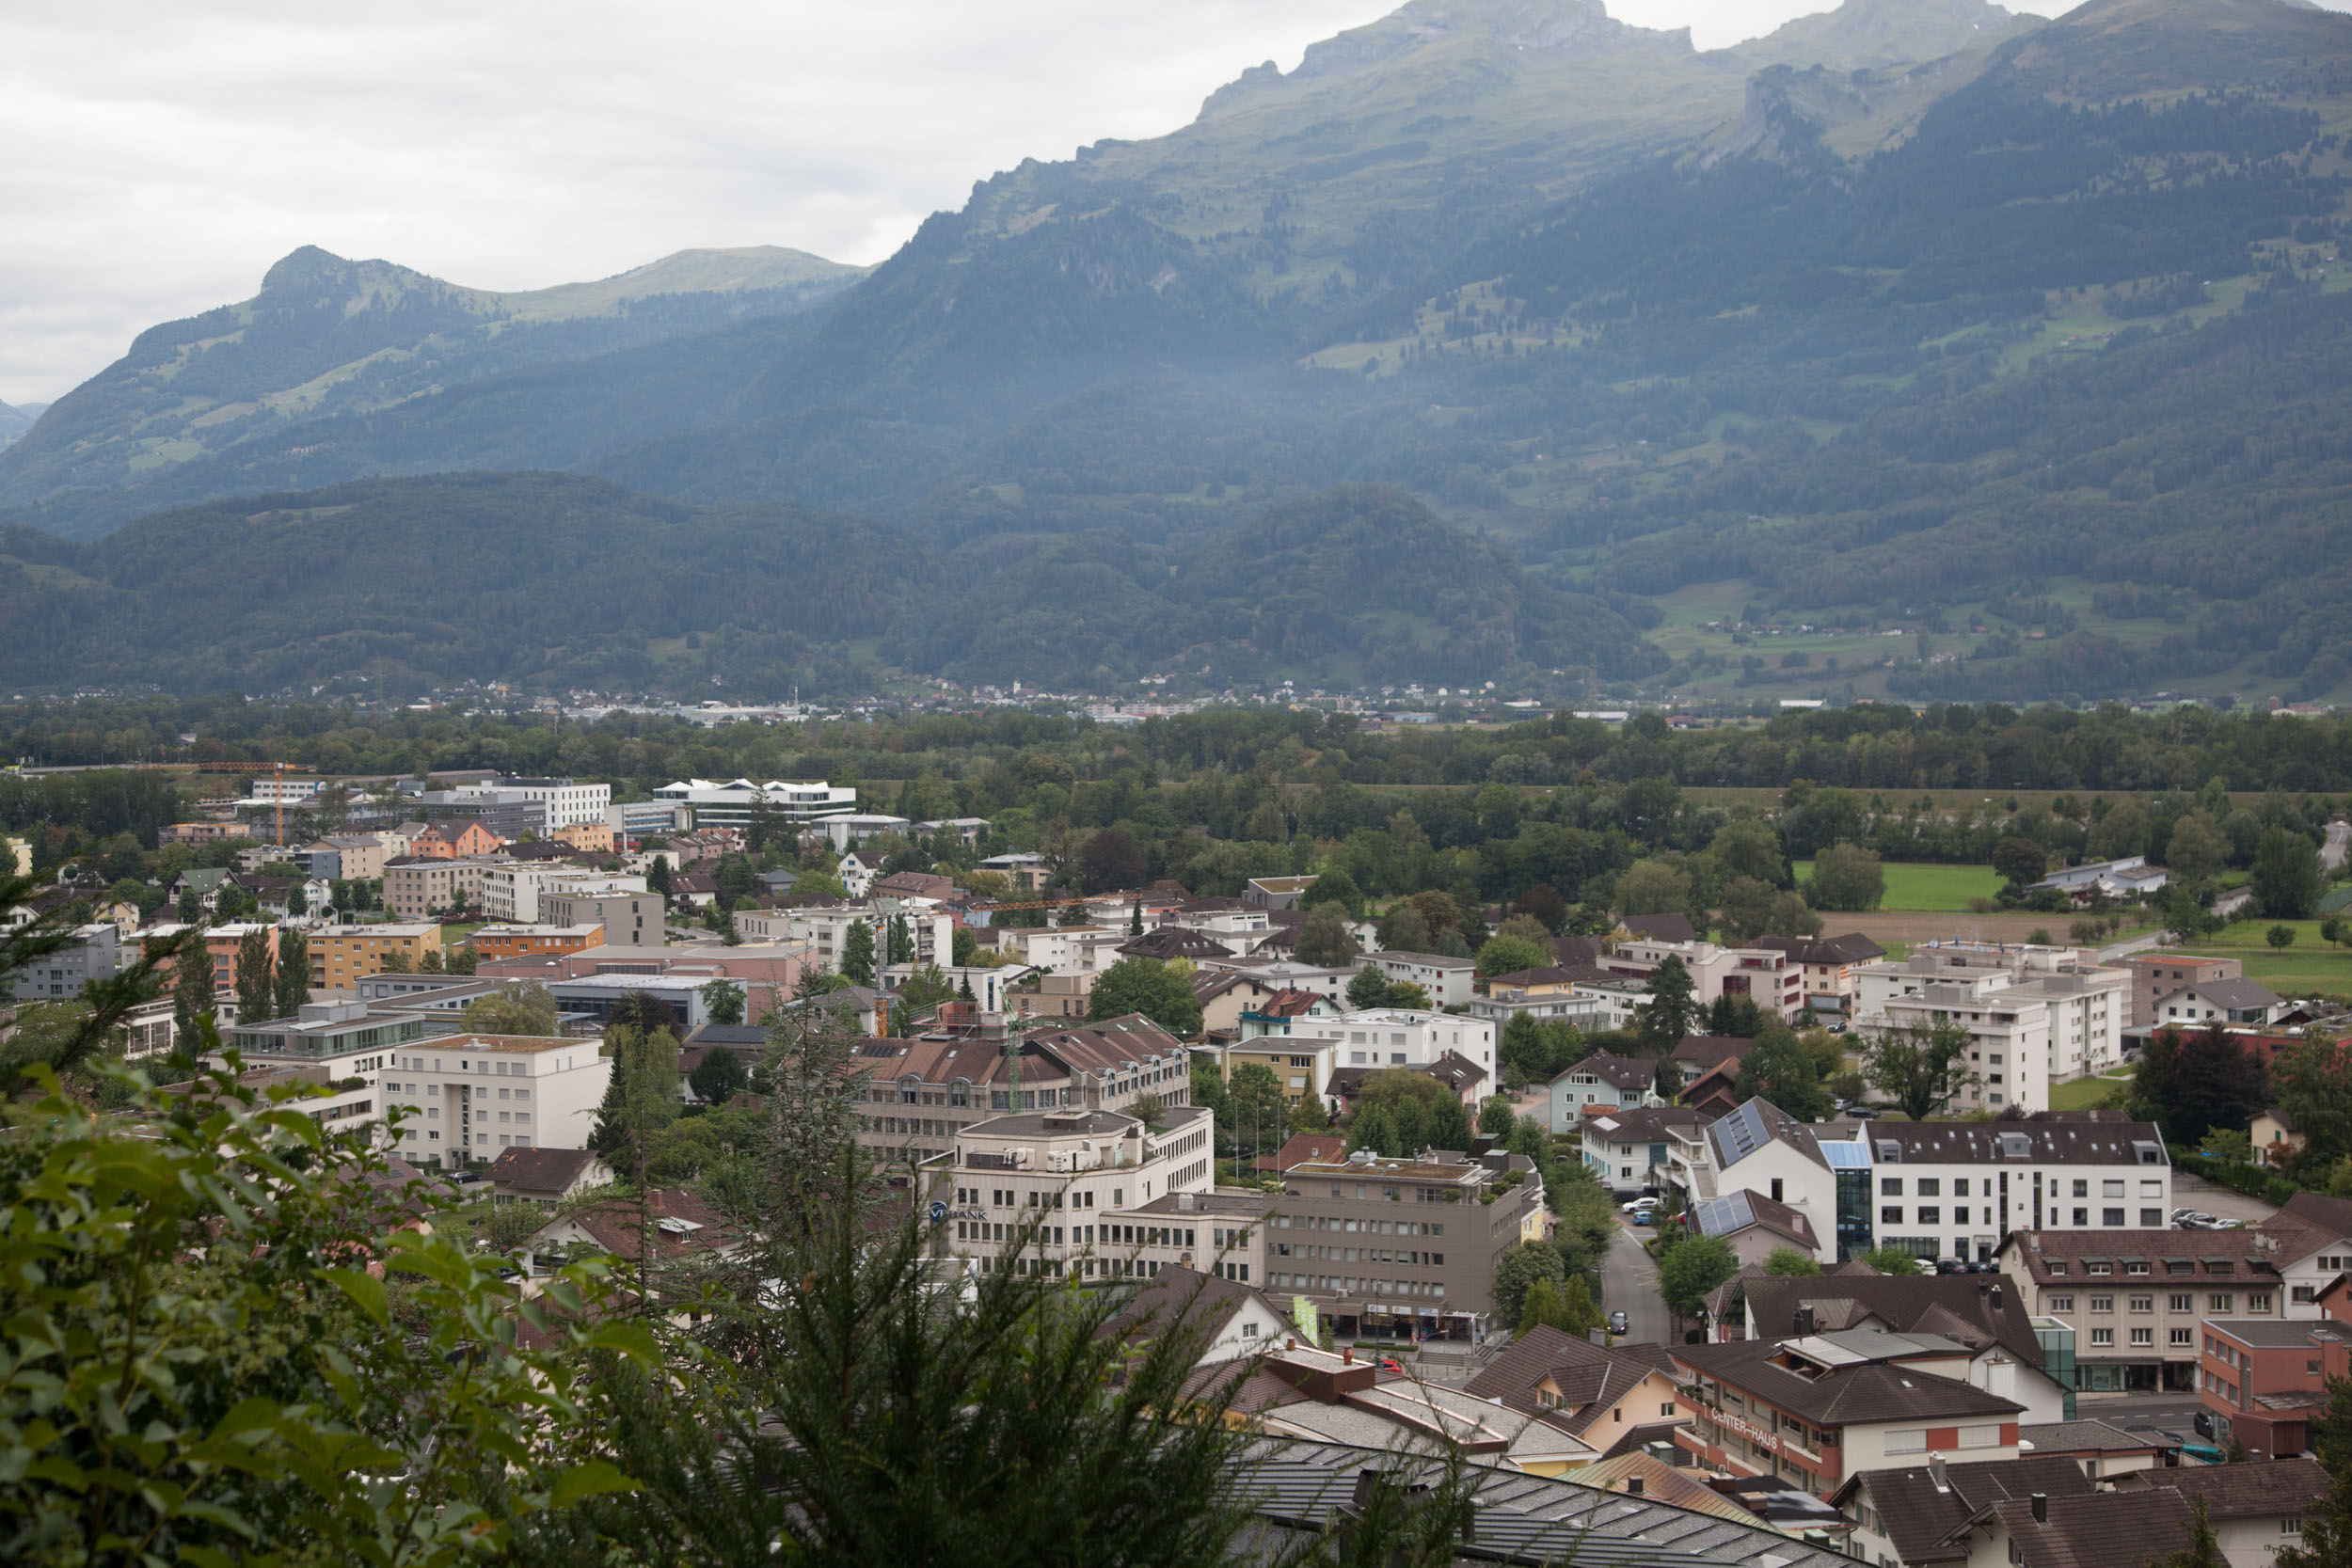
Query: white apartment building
(510, 889)
(1399, 1036)
(825, 928)
(1062, 950)
(1935, 1189)
(2039, 1015)
(1766, 976)
(847, 829)
(468, 1096)
(729, 804)
(1081, 1179)
(1447, 980)
(567, 802)
(1228, 921)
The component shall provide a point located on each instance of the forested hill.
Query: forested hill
(2023, 340)
(555, 581)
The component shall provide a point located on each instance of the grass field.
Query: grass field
(1924, 889)
(2085, 1093)
(2309, 966)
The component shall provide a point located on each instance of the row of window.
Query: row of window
(1352, 1285)
(1343, 1226)
(2134, 1267)
(2219, 1302)
(1931, 1186)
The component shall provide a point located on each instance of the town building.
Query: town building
(1830, 966)
(1276, 892)
(468, 1096)
(415, 888)
(739, 802)
(2205, 1003)
(1447, 980)
(2155, 975)
(1402, 1248)
(1764, 976)
(2253, 1510)
(1611, 1083)
(1922, 1515)
(2037, 1016)
(2006, 1348)
(1820, 1408)
(1935, 1189)
(95, 952)
(1615, 1398)
(563, 802)
(630, 913)
(1631, 1149)
(1059, 1193)
(508, 941)
(1755, 1226)
(2136, 1298)
(545, 1176)
(2126, 880)
(2264, 1379)
(341, 955)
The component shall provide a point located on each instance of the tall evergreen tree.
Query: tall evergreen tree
(255, 977)
(1666, 1018)
(293, 973)
(191, 987)
(857, 954)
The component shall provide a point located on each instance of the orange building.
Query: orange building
(514, 941)
(446, 841)
(594, 836)
(342, 956)
(222, 941)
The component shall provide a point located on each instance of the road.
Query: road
(2339, 838)
(1629, 1283)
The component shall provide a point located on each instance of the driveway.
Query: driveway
(2191, 1191)
(2332, 853)
(1629, 1283)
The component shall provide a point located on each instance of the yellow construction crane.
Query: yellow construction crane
(277, 768)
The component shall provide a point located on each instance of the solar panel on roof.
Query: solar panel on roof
(1854, 1155)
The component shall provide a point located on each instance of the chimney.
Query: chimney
(1936, 1474)
(1291, 1342)
(1996, 1298)
(1347, 1354)
(2042, 1508)
(1633, 1486)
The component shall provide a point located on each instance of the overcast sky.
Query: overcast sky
(156, 157)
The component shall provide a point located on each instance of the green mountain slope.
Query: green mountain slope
(552, 582)
(328, 337)
(1914, 318)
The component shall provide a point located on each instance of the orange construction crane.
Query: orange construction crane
(278, 768)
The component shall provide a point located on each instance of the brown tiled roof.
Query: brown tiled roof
(1457, 1072)
(1711, 1050)
(1623, 1072)
(2052, 1140)
(2280, 1486)
(1960, 1305)
(1646, 1123)
(1304, 1147)
(1173, 942)
(2331, 1214)
(1850, 948)
(1578, 952)
(2073, 1437)
(2103, 1530)
(1924, 1510)
(1181, 1296)
(1591, 1378)
(1872, 1393)
(2232, 1250)
(541, 1170)
(616, 1227)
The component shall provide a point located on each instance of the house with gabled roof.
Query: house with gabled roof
(1616, 1397)
(1604, 1082)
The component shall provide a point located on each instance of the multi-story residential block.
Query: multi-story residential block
(1831, 967)
(96, 953)
(2262, 1379)
(1304, 1067)
(1386, 1246)
(342, 956)
(453, 840)
(2049, 1014)
(1817, 1409)
(1764, 976)
(1546, 995)
(921, 1093)
(414, 888)
(630, 914)
(2135, 1299)
(490, 814)
(2155, 975)
(469, 1096)
(846, 830)
(510, 888)
(1076, 1185)
(825, 928)
(1935, 1189)
(1446, 980)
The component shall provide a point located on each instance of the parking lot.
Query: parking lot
(2193, 1191)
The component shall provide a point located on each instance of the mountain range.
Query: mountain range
(2027, 340)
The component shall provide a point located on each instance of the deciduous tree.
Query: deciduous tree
(1922, 1065)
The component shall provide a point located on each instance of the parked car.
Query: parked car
(1617, 1323)
(1951, 1265)
(1641, 1205)
(2180, 1215)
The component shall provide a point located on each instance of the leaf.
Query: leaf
(630, 1339)
(594, 1479)
(365, 1291)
